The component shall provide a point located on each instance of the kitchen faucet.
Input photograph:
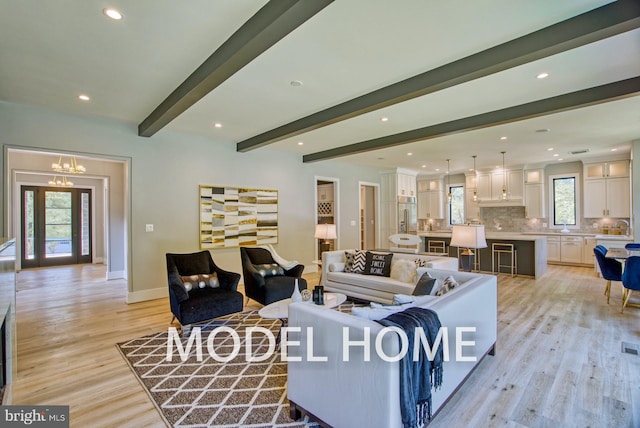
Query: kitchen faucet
(626, 223)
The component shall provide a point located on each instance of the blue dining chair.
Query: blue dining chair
(630, 280)
(611, 269)
(633, 246)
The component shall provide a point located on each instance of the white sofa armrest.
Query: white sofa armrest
(328, 258)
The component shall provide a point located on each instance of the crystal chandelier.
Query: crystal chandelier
(70, 167)
(60, 181)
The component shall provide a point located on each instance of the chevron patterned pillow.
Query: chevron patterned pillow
(355, 261)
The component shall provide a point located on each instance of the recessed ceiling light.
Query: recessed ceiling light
(556, 155)
(503, 138)
(300, 143)
(542, 75)
(550, 149)
(112, 13)
(384, 119)
(217, 125)
(296, 83)
(614, 150)
(560, 159)
(84, 97)
(424, 166)
(409, 154)
(437, 169)
(470, 169)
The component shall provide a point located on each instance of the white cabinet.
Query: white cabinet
(406, 185)
(606, 169)
(565, 249)
(534, 206)
(534, 176)
(553, 249)
(430, 184)
(587, 251)
(571, 249)
(490, 185)
(607, 197)
(430, 204)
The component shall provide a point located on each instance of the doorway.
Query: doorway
(368, 216)
(327, 213)
(55, 226)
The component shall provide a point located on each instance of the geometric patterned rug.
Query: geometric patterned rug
(209, 393)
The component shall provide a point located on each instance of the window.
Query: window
(564, 201)
(456, 207)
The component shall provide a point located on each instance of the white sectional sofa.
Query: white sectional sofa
(375, 288)
(359, 393)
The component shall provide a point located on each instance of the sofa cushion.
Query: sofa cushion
(200, 281)
(425, 285)
(355, 261)
(378, 264)
(269, 269)
(336, 267)
(403, 270)
(447, 285)
(380, 283)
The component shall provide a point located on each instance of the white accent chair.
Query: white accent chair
(405, 243)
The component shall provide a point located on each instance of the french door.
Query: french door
(56, 226)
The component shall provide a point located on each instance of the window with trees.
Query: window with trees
(456, 207)
(564, 201)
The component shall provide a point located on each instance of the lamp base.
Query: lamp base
(466, 261)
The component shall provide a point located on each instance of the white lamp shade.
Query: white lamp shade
(325, 231)
(468, 236)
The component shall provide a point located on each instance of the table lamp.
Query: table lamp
(468, 237)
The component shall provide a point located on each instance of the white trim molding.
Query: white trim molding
(144, 295)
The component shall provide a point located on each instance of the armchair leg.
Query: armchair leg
(246, 300)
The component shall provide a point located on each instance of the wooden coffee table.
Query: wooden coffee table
(280, 309)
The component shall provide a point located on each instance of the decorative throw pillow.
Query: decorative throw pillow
(424, 286)
(448, 284)
(355, 261)
(420, 263)
(403, 270)
(269, 269)
(200, 281)
(378, 264)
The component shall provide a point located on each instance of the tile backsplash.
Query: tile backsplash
(512, 219)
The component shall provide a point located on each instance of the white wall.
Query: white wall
(165, 173)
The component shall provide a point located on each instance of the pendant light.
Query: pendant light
(475, 179)
(448, 187)
(504, 178)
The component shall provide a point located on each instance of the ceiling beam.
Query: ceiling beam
(271, 23)
(601, 23)
(574, 100)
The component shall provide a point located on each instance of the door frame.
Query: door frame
(336, 208)
(376, 208)
(76, 258)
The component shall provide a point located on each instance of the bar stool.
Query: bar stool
(436, 247)
(498, 250)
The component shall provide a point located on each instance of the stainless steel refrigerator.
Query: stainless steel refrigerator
(407, 215)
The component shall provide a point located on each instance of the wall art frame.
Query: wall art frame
(237, 216)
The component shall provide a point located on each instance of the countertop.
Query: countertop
(509, 236)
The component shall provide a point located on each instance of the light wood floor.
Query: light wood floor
(558, 360)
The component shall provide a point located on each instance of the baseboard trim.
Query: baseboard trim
(144, 295)
(98, 260)
(118, 274)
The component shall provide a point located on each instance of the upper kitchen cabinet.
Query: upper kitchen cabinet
(430, 199)
(490, 185)
(606, 169)
(607, 190)
(534, 204)
(406, 185)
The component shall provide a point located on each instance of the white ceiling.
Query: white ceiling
(52, 51)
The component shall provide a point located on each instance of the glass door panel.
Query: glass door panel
(29, 224)
(58, 224)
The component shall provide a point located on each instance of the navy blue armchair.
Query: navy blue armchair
(611, 269)
(201, 298)
(630, 280)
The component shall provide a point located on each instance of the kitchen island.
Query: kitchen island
(531, 250)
